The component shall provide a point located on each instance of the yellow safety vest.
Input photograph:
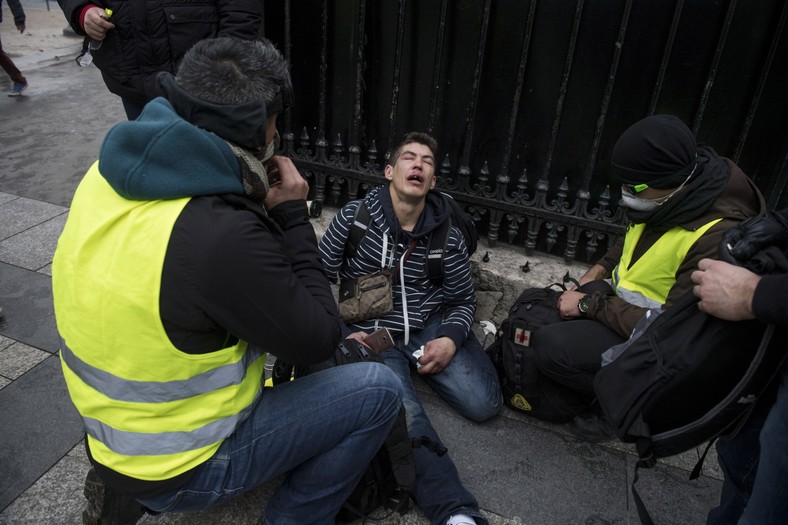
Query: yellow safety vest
(648, 281)
(150, 411)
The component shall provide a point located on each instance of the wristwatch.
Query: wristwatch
(584, 304)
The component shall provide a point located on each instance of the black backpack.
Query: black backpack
(685, 378)
(524, 387)
(436, 243)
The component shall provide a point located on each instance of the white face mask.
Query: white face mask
(636, 203)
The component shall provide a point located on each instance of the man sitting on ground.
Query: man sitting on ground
(680, 199)
(428, 315)
(168, 282)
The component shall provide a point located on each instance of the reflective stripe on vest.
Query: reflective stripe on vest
(120, 389)
(648, 281)
(151, 411)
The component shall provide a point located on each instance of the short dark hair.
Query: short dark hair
(409, 138)
(234, 71)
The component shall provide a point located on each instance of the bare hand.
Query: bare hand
(567, 304)
(292, 186)
(358, 336)
(725, 290)
(96, 23)
(438, 353)
(596, 273)
(21, 27)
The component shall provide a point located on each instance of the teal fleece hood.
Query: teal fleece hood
(161, 156)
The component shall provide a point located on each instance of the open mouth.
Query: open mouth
(416, 178)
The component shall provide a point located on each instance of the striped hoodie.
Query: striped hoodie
(384, 245)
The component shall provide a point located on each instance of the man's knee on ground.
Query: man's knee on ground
(481, 412)
(483, 401)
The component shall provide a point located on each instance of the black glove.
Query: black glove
(741, 242)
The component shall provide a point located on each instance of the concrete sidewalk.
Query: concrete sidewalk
(521, 470)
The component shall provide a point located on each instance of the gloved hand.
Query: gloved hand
(747, 238)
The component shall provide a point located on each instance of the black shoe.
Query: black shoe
(107, 507)
(592, 427)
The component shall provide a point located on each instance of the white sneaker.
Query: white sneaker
(461, 519)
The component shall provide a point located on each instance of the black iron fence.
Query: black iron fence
(527, 98)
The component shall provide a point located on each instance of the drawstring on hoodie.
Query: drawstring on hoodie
(404, 299)
(401, 265)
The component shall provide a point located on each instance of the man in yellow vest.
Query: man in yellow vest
(186, 258)
(680, 198)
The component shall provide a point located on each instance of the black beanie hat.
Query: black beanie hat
(659, 151)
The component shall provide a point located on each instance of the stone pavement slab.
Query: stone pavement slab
(40, 426)
(26, 298)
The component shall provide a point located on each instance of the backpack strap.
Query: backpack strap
(436, 251)
(645, 517)
(358, 228)
(436, 242)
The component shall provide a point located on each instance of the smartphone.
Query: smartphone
(379, 340)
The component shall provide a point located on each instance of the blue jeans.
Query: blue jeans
(470, 385)
(323, 429)
(754, 464)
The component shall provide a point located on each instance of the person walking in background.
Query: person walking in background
(132, 41)
(20, 82)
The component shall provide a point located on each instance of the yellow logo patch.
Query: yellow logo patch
(520, 402)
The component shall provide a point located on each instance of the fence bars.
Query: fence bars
(350, 176)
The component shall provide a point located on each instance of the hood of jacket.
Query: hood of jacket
(436, 211)
(739, 200)
(162, 156)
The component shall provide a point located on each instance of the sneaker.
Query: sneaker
(461, 519)
(592, 427)
(107, 507)
(17, 89)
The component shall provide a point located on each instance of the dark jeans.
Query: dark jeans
(321, 430)
(8, 65)
(470, 385)
(755, 466)
(570, 352)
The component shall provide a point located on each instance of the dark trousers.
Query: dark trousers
(10, 68)
(754, 463)
(570, 352)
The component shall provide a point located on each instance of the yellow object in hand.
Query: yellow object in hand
(108, 12)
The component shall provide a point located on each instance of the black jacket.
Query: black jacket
(153, 36)
(231, 270)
